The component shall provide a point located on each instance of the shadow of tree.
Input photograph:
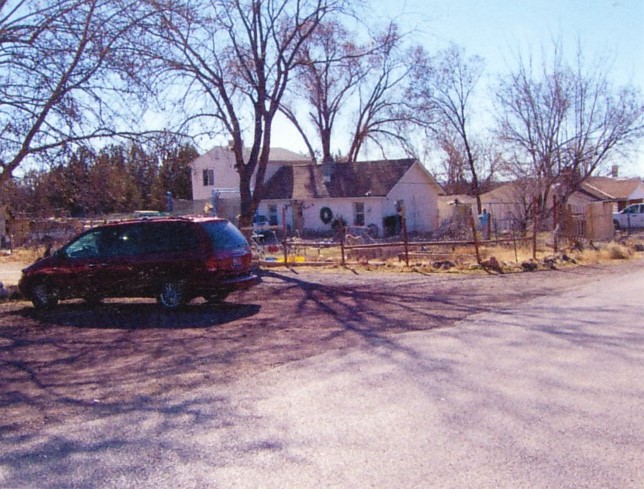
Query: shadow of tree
(56, 363)
(129, 360)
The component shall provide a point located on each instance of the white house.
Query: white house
(371, 193)
(214, 173)
(309, 197)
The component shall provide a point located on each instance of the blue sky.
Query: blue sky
(607, 30)
(610, 32)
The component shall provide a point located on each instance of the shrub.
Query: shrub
(615, 251)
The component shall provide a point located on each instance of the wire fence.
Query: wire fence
(280, 244)
(276, 244)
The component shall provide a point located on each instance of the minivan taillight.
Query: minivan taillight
(226, 262)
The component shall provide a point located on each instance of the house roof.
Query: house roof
(296, 182)
(589, 189)
(508, 192)
(276, 155)
(614, 188)
(360, 179)
(285, 155)
(601, 188)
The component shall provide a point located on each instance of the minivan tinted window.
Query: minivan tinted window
(165, 237)
(224, 236)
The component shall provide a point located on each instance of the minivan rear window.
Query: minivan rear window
(224, 236)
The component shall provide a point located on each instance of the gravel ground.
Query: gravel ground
(77, 362)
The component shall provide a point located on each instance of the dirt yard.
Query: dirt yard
(80, 363)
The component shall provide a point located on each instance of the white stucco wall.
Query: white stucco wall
(420, 195)
(344, 208)
(222, 161)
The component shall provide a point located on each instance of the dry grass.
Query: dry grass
(605, 254)
(509, 258)
(22, 255)
(463, 258)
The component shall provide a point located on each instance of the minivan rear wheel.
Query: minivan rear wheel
(44, 295)
(172, 295)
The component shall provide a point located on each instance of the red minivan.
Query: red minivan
(173, 259)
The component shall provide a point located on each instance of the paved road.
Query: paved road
(548, 394)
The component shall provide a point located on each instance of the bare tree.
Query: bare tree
(65, 69)
(454, 166)
(334, 69)
(441, 96)
(328, 73)
(563, 122)
(232, 60)
(380, 94)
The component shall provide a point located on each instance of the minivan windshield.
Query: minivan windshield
(225, 236)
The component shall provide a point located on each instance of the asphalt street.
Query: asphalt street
(548, 394)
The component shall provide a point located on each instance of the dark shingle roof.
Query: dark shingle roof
(296, 182)
(360, 179)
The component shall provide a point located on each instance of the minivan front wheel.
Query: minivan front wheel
(44, 296)
(172, 295)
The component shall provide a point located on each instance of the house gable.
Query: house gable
(215, 170)
(417, 174)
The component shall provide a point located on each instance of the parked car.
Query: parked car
(173, 259)
(629, 217)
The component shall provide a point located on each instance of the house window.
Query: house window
(208, 178)
(358, 214)
(272, 214)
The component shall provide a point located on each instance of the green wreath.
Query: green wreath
(326, 215)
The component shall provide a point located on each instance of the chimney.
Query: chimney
(614, 171)
(328, 167)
